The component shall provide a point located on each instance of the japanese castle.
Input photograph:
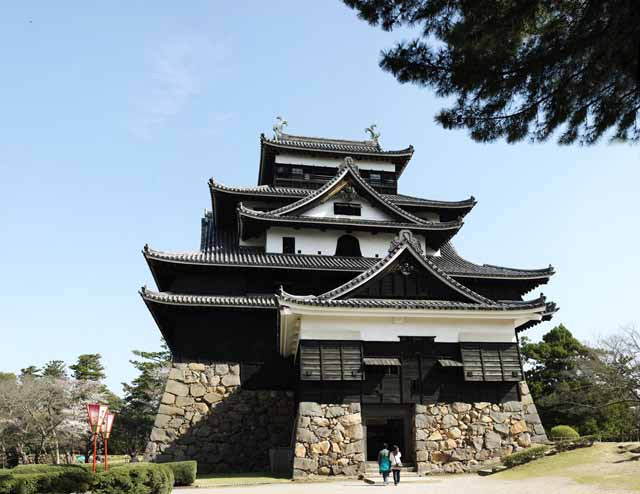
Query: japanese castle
(326, 314)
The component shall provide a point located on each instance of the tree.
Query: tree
(521, 68)
(141, 401)
(55, 369)
(88, 368)
(573, 384)
(31, 371)
(552, 374)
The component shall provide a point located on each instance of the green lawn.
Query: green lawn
(602, 465)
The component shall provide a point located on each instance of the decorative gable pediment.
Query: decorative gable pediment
(405, 274)
(348, 187)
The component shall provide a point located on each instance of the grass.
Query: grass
(601, 465)
(225, 479)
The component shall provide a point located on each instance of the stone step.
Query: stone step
(407, 468)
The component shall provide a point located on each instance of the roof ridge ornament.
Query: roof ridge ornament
(374, 134)
(406, 237)
(278, 128)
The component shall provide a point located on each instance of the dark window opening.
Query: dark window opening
(375, 179)
(347, 208)
(289, 245)
(392, 370)
(348, 246)
(296, 171)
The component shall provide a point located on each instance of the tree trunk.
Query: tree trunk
(57, 449)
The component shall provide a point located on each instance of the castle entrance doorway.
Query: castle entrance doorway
(387, 424)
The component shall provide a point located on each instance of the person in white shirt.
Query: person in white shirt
(396, 463)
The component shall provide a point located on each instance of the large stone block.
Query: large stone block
(423, 421)
(461, 407)
(176, 388)
(197, 390)
(310, 409)
(169, 410)
(321, 448)
(336, 411)
(512, 406)
(306, 436)
(231, 380)
(492, 440)
(305, 464)
(518, 427)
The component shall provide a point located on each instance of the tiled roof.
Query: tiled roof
(347, 169)
(252, 257)
(425, 225)
(451, 262)
(404, 243)
(398, 199)
(256, 301)
(220, 253)
(368, 303)
(335, 145)
(404, 200)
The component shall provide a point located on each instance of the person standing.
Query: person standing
(384, 463)
(396, 463)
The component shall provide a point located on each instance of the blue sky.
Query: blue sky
(114, 117)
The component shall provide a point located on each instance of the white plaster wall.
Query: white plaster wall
(293, 159)
(255, 241)
(445, 330)
(368, 212)
(310, 241)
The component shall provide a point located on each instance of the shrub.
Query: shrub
(569, 444)
(183, 471)
(134, 479)
(525, 456)
(563, 432)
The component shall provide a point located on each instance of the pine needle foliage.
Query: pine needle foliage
(518, 69)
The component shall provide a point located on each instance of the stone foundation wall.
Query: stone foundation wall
(206, 416)
(458, 437)
(329, 440)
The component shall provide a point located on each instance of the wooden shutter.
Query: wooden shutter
(330, 361)
(472, 361)
(310, 361)
(490, 362)
(511, 370)
(352, 361)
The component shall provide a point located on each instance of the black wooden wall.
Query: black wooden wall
(420, 378)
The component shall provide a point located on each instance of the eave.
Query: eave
(345, 175)
(330, 147)
(245, 302)
(252, 223)
(220, 192)
(248, 258)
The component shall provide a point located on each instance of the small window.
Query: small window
(375, 178)
(347, 208)
(289, 245)
(296, 172)
(392, 370)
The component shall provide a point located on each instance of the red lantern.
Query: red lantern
(96, 413)
(107, 425)
(106, 432)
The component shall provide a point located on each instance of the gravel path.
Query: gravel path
(463, 484)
